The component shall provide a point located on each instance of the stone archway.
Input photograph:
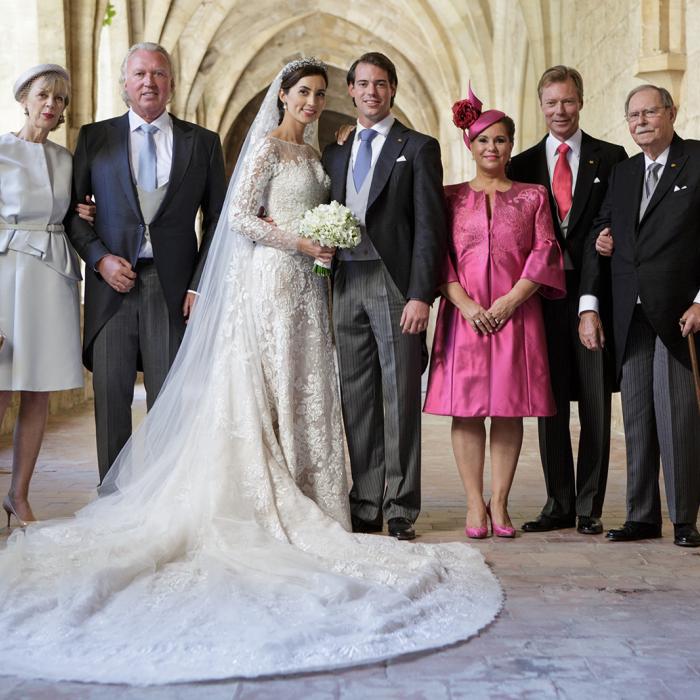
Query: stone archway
(225, 52)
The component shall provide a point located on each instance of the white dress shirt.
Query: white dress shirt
(164, 145)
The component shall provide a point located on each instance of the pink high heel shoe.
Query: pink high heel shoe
(477, 533)
(499, 530)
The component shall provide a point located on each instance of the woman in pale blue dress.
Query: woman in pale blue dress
(39, 273)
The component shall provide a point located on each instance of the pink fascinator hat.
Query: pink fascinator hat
(467, 115)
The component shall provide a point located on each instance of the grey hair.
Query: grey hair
(665, 95)
(144, 46)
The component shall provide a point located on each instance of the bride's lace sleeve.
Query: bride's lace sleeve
(243, 211)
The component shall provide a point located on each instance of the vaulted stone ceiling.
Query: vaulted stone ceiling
(227, 51)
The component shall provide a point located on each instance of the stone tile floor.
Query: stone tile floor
(583, 618)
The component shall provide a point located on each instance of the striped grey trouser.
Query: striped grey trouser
(380, 370)
(661, 421)
(140, 328)
(572, 365)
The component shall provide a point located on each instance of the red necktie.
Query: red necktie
(561, 182)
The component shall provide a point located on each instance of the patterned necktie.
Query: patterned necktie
(562, 181)
(146, 175)
(363, 160)
(652, 179)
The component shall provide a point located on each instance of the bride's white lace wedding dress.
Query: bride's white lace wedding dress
(292, 322)
(223, 548)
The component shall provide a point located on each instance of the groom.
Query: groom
(391, 178)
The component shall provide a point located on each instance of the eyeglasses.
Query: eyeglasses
(647, 113)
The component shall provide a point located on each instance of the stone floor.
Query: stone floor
(584, 618)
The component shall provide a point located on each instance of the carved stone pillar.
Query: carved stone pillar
(662, 60)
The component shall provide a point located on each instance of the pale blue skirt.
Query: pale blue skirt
(40, 318)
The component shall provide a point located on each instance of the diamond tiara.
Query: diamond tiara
(302, 63)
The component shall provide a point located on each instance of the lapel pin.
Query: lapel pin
(673, 165)
(399, 140)
(591, 162)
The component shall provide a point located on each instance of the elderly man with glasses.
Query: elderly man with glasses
(650, 227)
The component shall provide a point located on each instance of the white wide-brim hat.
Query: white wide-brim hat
(35, 72)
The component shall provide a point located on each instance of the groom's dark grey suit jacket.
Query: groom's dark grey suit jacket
(101, 168)
(406, 208)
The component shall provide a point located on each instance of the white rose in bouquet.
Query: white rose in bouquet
(332, 225)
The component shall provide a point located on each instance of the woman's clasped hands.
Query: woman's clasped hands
(486, 321)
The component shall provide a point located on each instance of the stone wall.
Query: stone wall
(615, 49)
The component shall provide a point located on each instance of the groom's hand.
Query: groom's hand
(188, 304)
(117, 273)
(414, 318)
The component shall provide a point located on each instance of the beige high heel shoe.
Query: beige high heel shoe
(10, 510)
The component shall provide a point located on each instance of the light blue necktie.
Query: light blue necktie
(363, 160)
(146, 175)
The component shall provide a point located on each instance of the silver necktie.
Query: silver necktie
(146, 175)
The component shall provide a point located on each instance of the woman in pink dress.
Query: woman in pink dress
(489, 355)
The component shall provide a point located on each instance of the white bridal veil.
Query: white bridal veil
(203, 559)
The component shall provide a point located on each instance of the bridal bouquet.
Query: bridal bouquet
(332, 225)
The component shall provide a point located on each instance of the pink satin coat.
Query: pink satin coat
(504, 374)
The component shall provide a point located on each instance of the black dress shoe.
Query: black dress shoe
(686, 535)
(364, 526)
(401, 528)
(634, 531)
(545, 523)
(589, 526)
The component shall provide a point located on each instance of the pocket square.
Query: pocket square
(596, 181)
(676, 188)
(401, 159)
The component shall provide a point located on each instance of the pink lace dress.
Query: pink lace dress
(505, 374)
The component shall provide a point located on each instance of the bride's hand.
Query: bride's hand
(343, 133)
(315, 251)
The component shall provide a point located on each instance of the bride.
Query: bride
(220, 548)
